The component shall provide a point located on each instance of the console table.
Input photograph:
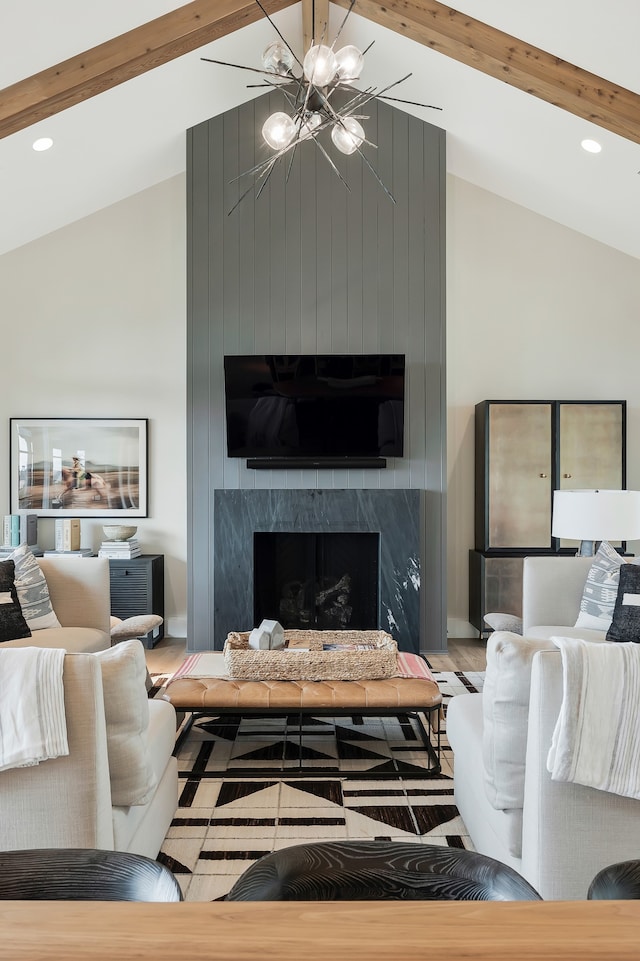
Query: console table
(137, 587)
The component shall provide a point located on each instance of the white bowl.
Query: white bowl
(118, 532)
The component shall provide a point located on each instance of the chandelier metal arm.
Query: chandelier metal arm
(279, 34)
(331, 163)
(340, 28)
(411, 103)
(240, 66)
(373, 171)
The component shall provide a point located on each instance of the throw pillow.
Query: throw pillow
(126, 708)
(625, 625)
(504, 622)
(505, 711)
(12, 623)
(33, 592)
(137, 626)
(601, 589)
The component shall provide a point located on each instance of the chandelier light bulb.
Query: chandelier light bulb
(277, 58)
(350, 63)
(320, 65)
(279, 130)
(348, 135)
(309, 124)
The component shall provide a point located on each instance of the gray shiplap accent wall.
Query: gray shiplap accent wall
(311, 267)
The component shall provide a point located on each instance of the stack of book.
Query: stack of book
(19, 529)
(122, 549)
(81, 552)
(67, 534)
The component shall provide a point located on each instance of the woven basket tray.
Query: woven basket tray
(371, 655)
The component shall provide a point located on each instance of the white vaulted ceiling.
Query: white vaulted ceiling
(498, 137)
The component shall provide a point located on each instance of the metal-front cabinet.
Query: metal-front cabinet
(524, 451)
(137, 587)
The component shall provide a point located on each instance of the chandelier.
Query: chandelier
(309, 87)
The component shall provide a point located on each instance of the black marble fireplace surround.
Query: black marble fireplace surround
(393, 514)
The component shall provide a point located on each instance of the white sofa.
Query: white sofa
(79, 588)
(557, 835)
(120, 751)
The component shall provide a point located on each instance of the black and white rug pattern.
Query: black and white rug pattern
(223, 824)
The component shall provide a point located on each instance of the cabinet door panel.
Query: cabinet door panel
(591, 446)
(520, 466)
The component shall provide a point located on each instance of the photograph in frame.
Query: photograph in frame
(84, 467)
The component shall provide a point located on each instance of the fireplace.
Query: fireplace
(316, 580)
(384, 524)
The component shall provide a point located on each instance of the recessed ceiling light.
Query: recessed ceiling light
(591, 146)
(43, 143)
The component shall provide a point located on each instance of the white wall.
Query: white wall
(93, 324)
(537, 311)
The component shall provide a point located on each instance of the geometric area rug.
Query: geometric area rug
(225, 823)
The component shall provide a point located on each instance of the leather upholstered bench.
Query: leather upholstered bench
(216, 694)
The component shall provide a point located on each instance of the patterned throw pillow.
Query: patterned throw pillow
(601, 589)
(625, 625)
(32, 589)
(12, 624)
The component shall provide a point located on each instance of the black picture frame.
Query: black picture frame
(80, 467)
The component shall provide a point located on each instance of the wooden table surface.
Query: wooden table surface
(303, 931)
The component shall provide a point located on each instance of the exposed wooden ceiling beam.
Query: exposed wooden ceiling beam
(124, 57)
(511, 60)
(433, 24)
(315, 20)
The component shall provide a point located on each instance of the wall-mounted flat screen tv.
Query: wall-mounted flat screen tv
(315, 405)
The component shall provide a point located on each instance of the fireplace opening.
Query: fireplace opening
(317, 581)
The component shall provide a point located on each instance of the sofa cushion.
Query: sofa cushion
(601, 588)
(505, 709)
(126, 706)
(12, 623)
(33, 593)
(625, 625)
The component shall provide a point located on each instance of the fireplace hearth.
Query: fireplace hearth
(330, 559)
(315, 580)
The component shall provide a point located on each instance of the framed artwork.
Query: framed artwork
(83, 467)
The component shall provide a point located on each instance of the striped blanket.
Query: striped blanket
(596, 741)
(33, 725)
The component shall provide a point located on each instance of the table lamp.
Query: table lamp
(596, 515)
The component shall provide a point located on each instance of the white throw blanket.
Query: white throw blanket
(33, 725)
(596, 741)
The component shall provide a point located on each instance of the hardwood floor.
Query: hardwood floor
(465, 654)
(166, 656)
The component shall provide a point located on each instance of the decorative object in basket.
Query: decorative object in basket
(314, 656)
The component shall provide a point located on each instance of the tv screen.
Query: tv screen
(319, 405)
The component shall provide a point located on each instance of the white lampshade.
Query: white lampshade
(596, 515)
(348, 135)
